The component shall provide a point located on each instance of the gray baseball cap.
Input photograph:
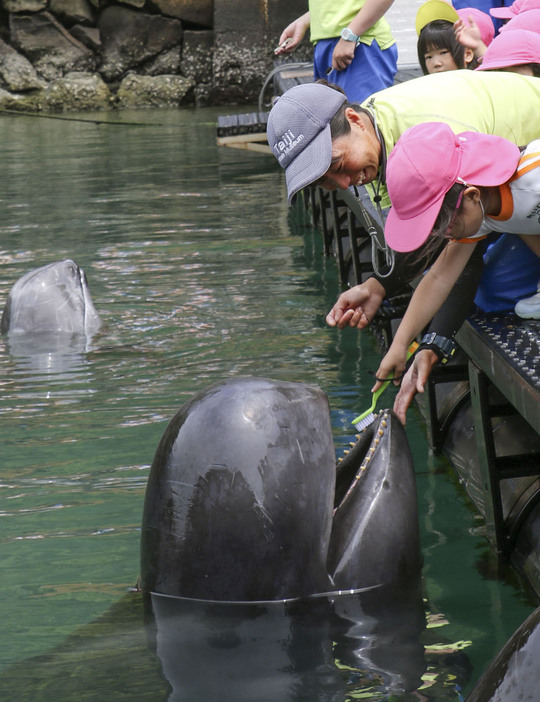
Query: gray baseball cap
(298, 132)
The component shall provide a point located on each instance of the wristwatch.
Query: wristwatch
(444, 348)
(349, 36)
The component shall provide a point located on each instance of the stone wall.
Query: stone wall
(61, 55)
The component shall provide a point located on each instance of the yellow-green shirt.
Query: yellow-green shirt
(489, 102)
(327, 19)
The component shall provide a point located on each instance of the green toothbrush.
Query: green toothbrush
(366, 418)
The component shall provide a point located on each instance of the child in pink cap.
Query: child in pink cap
(458, 186)
(517, 51)
(529, 20)
(514, 9)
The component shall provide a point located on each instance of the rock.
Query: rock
(89, 36)
(52, 50)
(199, 12)
(197, 53)
(241, 58)
(24, 5)
(73, 11)
(134, 3)
(78, 92)
(153, 91)
(16, 71)
(27, 102)
(130, 38)
(239, 69)
(203, 94)
(166, 63)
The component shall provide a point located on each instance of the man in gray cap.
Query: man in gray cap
(317, 136)
(303, 145)
(320, 138)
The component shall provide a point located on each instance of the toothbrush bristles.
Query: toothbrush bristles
(364, 423)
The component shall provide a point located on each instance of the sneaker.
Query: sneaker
(529, 307)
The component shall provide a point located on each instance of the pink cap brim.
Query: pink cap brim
(502, 12)
(404, 235)
(483, 160)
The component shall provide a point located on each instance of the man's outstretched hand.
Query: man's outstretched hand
(357, 306)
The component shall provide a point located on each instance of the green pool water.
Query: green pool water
(200, 272)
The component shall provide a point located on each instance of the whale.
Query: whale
(269, 569)
(52, 299)
(514, 673)
(246, 502)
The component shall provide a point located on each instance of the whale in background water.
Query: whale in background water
(52, 299)
(244, 501)
(514, 673)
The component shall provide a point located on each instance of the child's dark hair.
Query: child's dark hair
(435, 243)
(439, 34)
(535, 68)
(448, 210)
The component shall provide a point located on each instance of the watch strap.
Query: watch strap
(348, 35)
(444, 347)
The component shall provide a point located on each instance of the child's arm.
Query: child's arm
(469, 36)
(370, 12)
(426, 301)
(292, 35)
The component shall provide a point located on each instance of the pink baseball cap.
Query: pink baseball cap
(512, 49)
(529, 20)
(425, 163)
(514, 9)
(483, 21)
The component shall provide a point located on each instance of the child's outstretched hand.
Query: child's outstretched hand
(292, 35)
(392, 366)
(414, 381)
(468, 35)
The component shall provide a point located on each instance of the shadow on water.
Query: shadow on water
(324, 649)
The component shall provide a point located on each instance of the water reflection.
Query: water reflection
(316, 650)
(48, 354)
(288, 651)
